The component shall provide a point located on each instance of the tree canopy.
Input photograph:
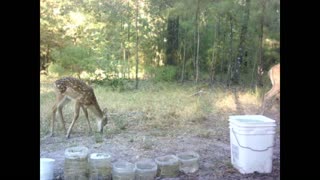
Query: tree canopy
(230, 41)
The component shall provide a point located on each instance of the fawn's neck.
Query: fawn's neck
(96, 110)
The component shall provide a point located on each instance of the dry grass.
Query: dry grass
(164, 109)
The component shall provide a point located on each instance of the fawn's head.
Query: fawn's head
(102, 122)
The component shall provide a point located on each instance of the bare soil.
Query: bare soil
(131, 145)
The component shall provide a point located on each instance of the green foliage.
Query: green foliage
(117, 84)
(272, 57)
(164, 73)
(75, 59)
(57, 69)
(83, 36)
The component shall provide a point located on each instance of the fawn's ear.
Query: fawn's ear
(105, 110)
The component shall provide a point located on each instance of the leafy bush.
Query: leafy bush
(56, 69)
(117, 84)
(165, 73)
(75, 59)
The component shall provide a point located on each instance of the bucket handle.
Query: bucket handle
(249, 147)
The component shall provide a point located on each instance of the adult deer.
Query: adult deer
(274, 75)
(70, 88)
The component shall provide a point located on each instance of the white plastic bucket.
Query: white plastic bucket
(46, 168)
(100, 166)
(252, 142)
(146, 169)
(168, 166)
(123, 170)
(188, 161)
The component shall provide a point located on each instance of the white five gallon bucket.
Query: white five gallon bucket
(252, 142)
(46, 168)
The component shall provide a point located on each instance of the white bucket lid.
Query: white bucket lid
(251, 121)
(96, 156)
(146, 165)
(166, 160)
(122, 166)
(47, 160)
(78, 152)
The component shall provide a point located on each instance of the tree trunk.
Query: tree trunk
(45, 60)
(213, 59)
(198, 42)
(183, 62)
(261, 62)
(172, 40)
(137, 45)
(197, 57)
(243, 32)
(120, 50)
(194, 54)
(128, 51)
(254, 80)
(212, 72)
(230, 50)
(124, 60)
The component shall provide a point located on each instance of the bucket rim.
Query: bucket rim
(47, 160)
(122, 166)
(249, 126)
(255, 117)
(251, 120)
(97, 156)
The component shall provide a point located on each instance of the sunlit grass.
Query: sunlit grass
(248, 98)
(46, 88)
(168, 107)
(225, 101)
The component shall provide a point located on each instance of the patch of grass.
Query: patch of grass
(110, 132)
(158, 133)
(225, 101)
(147, 143)
(204, 134)
(120, 122)
(46, 103)
(168, 107)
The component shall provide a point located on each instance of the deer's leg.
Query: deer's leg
(76, 115)
(60, 106)
(278, 96)
(53, 119)
(87, 117)
(274, 91)
(59, 99)
(266, 100)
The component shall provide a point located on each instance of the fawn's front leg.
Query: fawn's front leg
(75, 117)
(87, 117)
(60, 102)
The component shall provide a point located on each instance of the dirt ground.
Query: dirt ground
(132, 145)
